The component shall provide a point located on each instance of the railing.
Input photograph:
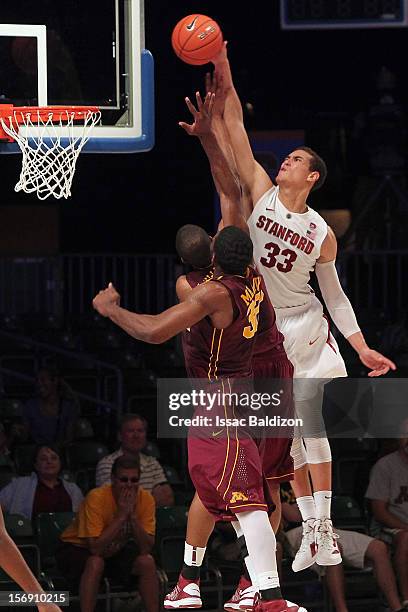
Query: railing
(40, 349)
(376, 280)
(66, 284)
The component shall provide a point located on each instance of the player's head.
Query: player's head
(303, 167)
(193, 246)
(233, 250)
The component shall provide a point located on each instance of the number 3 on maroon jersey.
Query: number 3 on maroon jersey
(273, 251)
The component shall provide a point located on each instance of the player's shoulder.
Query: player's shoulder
(266, 195)
(316, 216)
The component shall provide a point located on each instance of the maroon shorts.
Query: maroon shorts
(277, 462)
(227, 474)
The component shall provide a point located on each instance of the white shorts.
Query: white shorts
(309, 344)
(353, 545)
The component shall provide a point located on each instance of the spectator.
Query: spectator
(50, 417)
(132, 436)
(113, 532)
(358, 551)
(44, 490)
(388, 492)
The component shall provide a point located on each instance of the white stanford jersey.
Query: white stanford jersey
(286, 247)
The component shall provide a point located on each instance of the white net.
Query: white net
(50, 148)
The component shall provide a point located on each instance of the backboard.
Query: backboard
(85, 53)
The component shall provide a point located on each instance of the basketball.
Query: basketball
(197, 39)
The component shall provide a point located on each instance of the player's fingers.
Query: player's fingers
(211, 103)
(389, 363)
(199, 100)
(380, 371)
(191, 107)
(188, 128)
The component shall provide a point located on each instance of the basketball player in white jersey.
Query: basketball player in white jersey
(290, 241)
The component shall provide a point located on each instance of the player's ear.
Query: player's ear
(313, 176)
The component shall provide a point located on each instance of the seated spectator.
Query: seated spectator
(50, 417)
(113, 532)
(388, 493)
(44, 490)
(132, 436)
(5, 458)
(358, 551)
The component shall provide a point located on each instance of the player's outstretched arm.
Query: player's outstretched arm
(341, 310)
(214, 84)
(204, 300)
(252, 176)
(13, 563)
(226, 183)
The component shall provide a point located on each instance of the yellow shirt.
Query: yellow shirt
(98, 510)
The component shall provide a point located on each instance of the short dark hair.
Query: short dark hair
(132, 416)
(233, 250)
(316, 164)
(53, 447)
(193, 246)
(121, 463)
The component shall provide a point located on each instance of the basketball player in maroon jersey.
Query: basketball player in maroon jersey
(226, 470)
(269, 362)
(291, 240)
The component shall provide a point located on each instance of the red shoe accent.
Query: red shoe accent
(186, 594)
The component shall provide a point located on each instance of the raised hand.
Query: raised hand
(222, 55)
(377, 363)
(105, 300)
(202, 115)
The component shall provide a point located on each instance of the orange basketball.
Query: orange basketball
(197, 39)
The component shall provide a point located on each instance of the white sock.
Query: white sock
(193, 555)
(307, 507)
(251, 572)
(261, 544)
(323, 504)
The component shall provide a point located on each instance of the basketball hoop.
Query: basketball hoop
(50, 144)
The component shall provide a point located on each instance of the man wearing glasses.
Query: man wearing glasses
(112, 534)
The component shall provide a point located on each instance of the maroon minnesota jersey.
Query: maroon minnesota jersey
(268, 339)
(217, 353)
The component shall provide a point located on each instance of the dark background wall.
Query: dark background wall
(320, 81)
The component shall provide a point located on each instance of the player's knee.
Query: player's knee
(318, 450)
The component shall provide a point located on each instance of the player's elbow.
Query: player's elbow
(156, 336)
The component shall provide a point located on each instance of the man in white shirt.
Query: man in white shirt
(132, 436)
(388, 493)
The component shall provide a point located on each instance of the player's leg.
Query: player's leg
(314, 453)
(243, 597)
(200, 524)
(260, 540)
(307, 551)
